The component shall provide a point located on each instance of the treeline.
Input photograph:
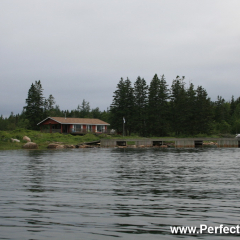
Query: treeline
(154, 110)
(176, 110)
(38, 108)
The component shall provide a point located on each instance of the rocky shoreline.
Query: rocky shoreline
(60, 145)
(97, 144)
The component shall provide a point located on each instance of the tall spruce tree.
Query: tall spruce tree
(35, 104)
(222, 115)
(222, 110)
(232, 105)
(236, 119)
(49, 106)
(158, 107)
(140, 106)
(204, 111)
(122, 107)
(178, 106)
(84, 109)
(191, 115)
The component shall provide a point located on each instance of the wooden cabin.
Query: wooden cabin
(73, 125)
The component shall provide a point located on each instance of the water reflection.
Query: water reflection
(35, 172)
(108, 193)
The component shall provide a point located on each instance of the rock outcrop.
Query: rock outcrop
(55, 146)
(163, 146)
(59, 146)
(210, 143)
(84, 146)
(69, 146)
(30, 145)
(25, 138)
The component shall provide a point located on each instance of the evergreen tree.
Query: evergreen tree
(232, 106)
(222, 110)
(204, 111)
(96, 113)
(122, 107)
(235, 115)
(84, 109)
(129, 110)
(35, 105)
(58, 112)
(178, 106)
(140, 106)
(158, 107)
(105, 116)
(235, 119)
(49, 106)
(3, 123)
(190, 123)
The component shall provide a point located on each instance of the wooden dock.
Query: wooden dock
(176, 142)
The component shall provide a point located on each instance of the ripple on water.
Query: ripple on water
(109, 193)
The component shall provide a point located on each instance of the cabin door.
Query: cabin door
(64, 128)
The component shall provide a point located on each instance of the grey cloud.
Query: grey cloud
(80, 49)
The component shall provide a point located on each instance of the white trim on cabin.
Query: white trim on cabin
(48, 118)
(73, 123)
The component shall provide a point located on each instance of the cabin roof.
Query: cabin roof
(87, 121)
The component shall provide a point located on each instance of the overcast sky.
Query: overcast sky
(80, 49)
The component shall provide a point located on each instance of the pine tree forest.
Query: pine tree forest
(154, 110)
(160, 110)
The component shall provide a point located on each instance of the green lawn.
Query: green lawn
(42, 139)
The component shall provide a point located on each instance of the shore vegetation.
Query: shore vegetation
(41, 139)
(44, 139)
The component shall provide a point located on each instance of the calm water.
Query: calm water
(117, 193)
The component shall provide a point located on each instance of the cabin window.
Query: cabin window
(99, 128)
(77, 128)
(56, 126)
(89, 128)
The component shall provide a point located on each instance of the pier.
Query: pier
(175, 142)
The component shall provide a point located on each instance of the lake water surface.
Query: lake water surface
(117, 193)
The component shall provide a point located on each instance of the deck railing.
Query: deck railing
(84, 131)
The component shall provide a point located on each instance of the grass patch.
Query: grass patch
(10, 145)
(42, 139)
